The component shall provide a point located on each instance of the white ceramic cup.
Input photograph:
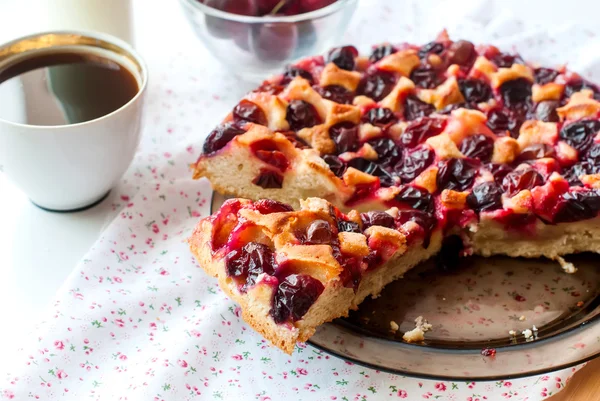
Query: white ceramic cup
(69, 167)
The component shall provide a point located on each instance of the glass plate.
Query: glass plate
(471, 309)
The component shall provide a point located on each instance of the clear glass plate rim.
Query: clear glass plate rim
(426, 376)
(461, 350)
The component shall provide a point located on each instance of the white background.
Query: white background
(39, 249)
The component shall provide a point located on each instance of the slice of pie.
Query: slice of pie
(497, 155)
(293, 270)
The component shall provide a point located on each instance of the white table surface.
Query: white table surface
(38, 249)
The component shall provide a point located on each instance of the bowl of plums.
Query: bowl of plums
(256, 37)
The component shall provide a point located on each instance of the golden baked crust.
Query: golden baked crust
(395, 100)
(580, 105)
(444, 95)
(402, 62)
(506, 150)
(453, 199)
(333, 75)
(516, 71)
(483, 68)
(549, 91)
(534, 132)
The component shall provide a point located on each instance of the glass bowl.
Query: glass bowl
(255, 47)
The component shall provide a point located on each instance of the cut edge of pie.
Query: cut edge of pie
(234, 170)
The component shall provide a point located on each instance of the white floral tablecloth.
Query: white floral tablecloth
(139, 320)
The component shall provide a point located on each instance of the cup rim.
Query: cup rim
(143, 74)
(267, 19)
